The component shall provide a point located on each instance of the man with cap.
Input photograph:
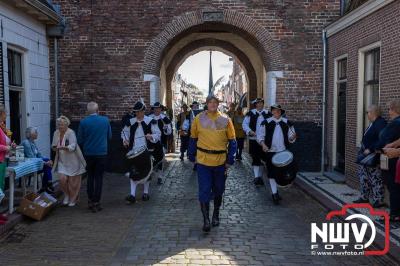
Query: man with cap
(250, 124)
(275, 134)
(141, 131)
(212, 145)
(184, 129)
(195, 110)
(165, 126)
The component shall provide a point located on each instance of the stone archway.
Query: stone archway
(224, 21)
(219, 45)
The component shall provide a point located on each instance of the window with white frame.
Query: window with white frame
(16, 93)
(14, 68)
(371, 80)
(369, 62)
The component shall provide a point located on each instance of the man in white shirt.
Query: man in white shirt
(250, 123)
(274, 135)
(165, 126)
(142, 131)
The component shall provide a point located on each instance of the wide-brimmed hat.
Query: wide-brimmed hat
(257, 100)
(278, 106)
(211, 97)
(157, 105)
(194, 103)
(139, 106)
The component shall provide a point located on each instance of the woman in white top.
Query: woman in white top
(69, 162)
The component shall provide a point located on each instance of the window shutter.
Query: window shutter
(1, 74)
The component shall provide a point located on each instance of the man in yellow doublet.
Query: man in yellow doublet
(212, 145)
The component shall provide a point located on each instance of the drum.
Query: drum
(285, 168)
(140, 164)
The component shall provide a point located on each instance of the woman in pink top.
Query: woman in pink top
(5, 147)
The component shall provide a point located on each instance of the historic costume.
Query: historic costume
(165, 126)
(250, 124)
(141, 133)
(237, 120)
(184, 130)
(212, 145)
(276, 133)
(194, 111)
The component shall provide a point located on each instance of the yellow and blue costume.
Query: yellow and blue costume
(213, 144)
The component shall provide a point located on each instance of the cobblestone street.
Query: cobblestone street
(167, 229)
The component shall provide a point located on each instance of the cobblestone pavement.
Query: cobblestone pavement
(167, 229)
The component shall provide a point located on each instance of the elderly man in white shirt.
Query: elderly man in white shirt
(274, 135)
(143, 131)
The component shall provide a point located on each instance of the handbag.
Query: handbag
(384, 162)
(369, 160)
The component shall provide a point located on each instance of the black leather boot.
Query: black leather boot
(275, 198)
(205, 209)
(217, 205)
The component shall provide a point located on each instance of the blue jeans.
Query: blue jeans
(47, 176)
(211, 181)
(184, 145)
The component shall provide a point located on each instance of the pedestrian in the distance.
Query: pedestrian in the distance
(93, 135)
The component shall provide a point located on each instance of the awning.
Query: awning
(39, 9)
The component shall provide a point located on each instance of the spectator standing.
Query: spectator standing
(93, 135)
(69, 163)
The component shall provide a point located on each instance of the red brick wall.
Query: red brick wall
(109, 45)
(103, 51)
(383, 26)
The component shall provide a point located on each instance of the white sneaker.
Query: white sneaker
(72, 204)
(66, 200)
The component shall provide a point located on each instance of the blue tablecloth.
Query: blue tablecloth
(29, 166)
(1, 195)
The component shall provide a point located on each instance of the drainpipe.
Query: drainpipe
(323, 100)
(56, 101)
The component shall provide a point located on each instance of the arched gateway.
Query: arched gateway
(122, 45)
(229, 31)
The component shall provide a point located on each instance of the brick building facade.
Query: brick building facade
(363, 68)
(114, 52)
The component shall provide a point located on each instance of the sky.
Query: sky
(196, 67)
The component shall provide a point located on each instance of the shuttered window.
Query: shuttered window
(1, 74)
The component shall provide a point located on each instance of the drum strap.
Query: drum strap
(211, 151)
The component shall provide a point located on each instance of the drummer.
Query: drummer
(250, 123)
(165, 126)
(275, 134)
(141, 131)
